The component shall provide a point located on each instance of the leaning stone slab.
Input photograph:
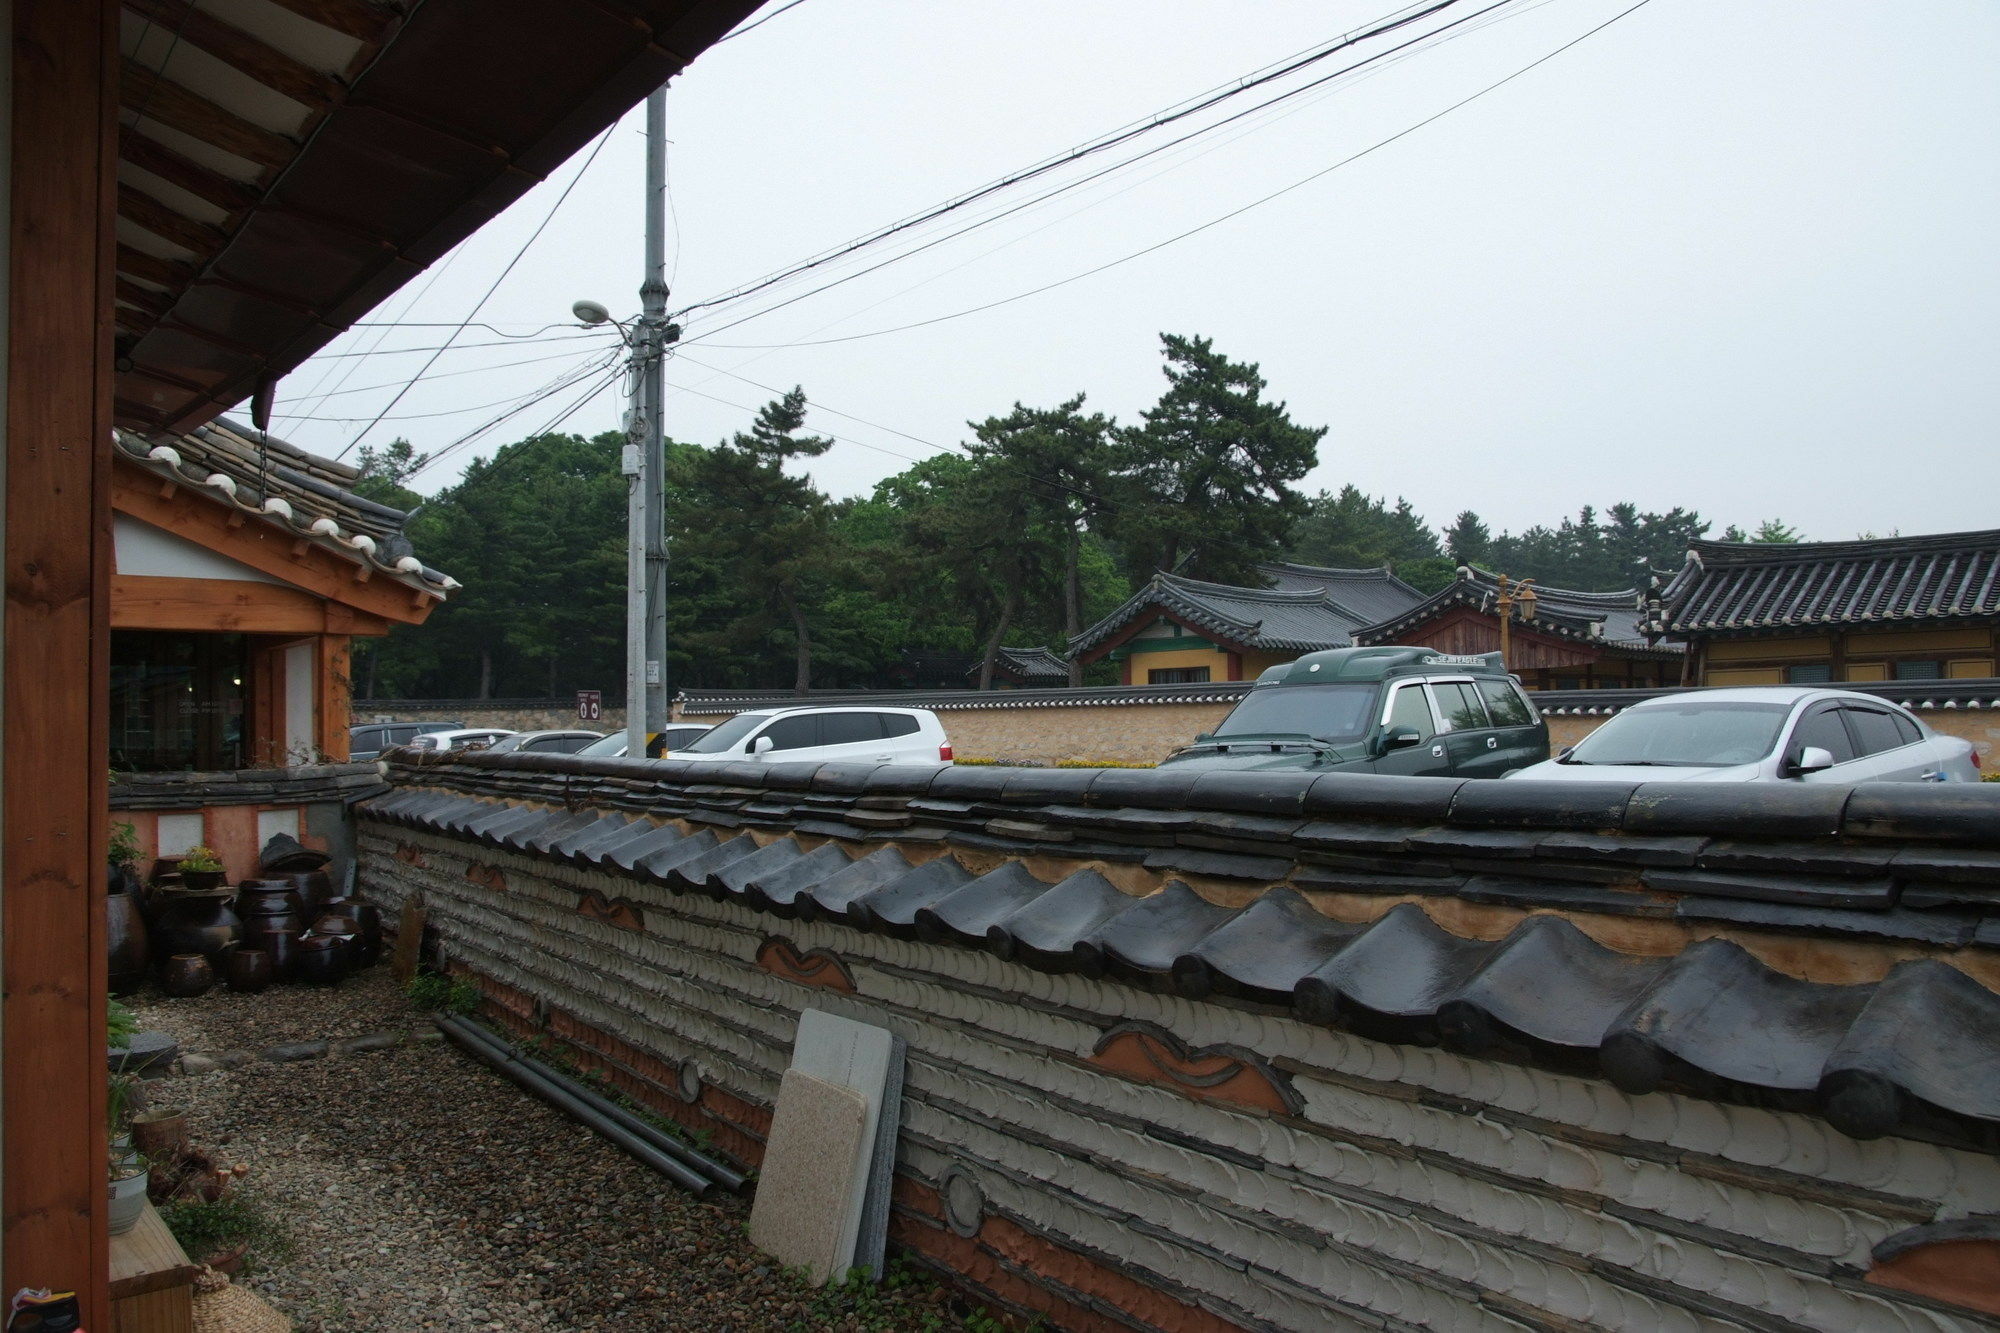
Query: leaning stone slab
(807, 1192)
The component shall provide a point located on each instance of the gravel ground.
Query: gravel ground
(222, 1020)
(421, 1191)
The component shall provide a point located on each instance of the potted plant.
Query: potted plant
(125, 936)
(201, 869)
(127, 1166)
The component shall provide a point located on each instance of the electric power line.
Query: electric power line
(1180, 236)
(533, 236)
(1088, 149)
(1436, 35)
(759, 23)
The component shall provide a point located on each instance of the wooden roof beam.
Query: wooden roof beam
(151, 155)
(142, 209)
(169, 273)
(364, 19)
(147, 93)
(230, 44)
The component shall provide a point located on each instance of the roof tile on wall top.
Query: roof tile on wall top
(1966, 813)
(1927, 1027)
(966, 913)
(969, 783)
(1724, 809)
(1915, 1049)
(1144, 788)
(1058, 931)
(1382, 796)
(1531, 804)
(893, 907)
(1717, 1008)
(1263, 951)
(1048, 786)
(1147, 937)
(1251, 793)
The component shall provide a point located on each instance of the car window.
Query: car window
(725, 735)
(1907, 728)
(1823, 727)
(1459, 706)
(547, 745)
(1874, 730)
(1684, 733)
(608, 747)
(1410, 709)
(899, 724)
(793, 733)
(1509, 709)
(1335, 712)
(850, 728)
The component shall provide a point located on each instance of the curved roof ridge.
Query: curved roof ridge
(1241, 593)
(1722, 552)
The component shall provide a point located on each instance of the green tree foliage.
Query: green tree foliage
(762, 534)
(1054, 463)
(1585, 552)
(1774, 531)
(1467, 541)
(1207, 485)
(536, 535)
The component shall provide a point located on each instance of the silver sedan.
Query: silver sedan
(1763, 734)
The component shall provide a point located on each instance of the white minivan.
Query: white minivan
(829, 735)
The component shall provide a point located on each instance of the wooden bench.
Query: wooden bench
(152, 1282)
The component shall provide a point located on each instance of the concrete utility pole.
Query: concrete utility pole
(645, 462)
(658, 334)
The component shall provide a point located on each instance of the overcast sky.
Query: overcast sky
(1735, 255)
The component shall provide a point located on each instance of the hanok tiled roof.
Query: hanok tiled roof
(1028, 664)
(1609, 618)
(1759, 585)
(283, 485)
(1374, 593)
(1303, 608)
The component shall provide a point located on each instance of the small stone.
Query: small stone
(199, 1064)
(285, 1052)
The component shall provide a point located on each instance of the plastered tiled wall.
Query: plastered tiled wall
(1347, 1184)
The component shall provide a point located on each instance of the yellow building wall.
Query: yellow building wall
(1214, 659)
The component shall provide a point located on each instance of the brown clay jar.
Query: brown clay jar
(186, 975)
(248, 970)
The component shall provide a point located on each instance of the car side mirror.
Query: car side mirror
(1402, 738)
(762, 746)
(1812, 759)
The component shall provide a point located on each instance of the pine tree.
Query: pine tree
(1467, 540)
(1206, 486)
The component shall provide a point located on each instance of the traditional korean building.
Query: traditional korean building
(1018, 667)
(199, 197)
(1179, 631)
(1892, 608)
(243, 568)
(1559, 639)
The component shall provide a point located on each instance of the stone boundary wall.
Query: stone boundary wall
(1115, 1120)
(237, 812)
(1143, 725)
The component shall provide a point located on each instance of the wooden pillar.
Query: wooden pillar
(53, 812)
(332, 696)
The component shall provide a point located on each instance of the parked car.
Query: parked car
(1764, 733)
(847, 735)
(365, 740)
(473, 738)
(544, 742)
(669, 740)
(1407, 710)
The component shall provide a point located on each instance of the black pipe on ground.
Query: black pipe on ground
(504, 1061)
(726, 1177)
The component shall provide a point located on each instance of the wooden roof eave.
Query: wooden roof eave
(269, 546)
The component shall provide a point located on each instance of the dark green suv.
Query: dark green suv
(1379, 710)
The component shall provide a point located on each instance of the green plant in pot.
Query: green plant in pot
(127, 943)
(201, 868)
(127, 1167)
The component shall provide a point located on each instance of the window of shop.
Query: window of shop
(1177, 676)
(1920, 670)
(1812, 673)
(177, 701)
